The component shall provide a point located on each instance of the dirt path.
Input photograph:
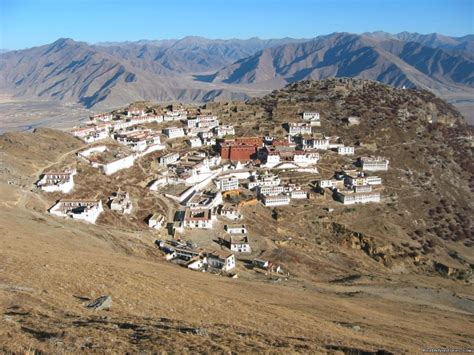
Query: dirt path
(58, 160)
(170, 208)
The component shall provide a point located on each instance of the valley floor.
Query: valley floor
(19, 115)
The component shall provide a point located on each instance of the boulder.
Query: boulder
(101, 303)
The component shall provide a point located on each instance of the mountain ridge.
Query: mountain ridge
(343, 54)
(200, 69)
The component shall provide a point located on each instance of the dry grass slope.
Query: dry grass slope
(390, 278)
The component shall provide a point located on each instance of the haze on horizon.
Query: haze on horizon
(28, 23)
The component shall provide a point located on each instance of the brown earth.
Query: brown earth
(51, 266)
(386, 277)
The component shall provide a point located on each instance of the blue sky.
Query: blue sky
(27, 23)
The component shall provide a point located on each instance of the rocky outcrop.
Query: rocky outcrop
(453, 272)
(101, 303)
(356, 240)
(386, 254)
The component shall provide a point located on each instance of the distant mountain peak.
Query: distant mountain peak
(397, 62)
(196, 68)
(65, 42)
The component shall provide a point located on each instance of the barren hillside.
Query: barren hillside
(369, 279)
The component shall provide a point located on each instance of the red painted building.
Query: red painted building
(281, 143)
(240, 149)
(256, 141)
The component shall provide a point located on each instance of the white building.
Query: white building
(351, 198)
(227, 184)
(86, 153)
(209, 141)
(92, 132)
(194, 171)
(156, 221)
(374, 163)
(298, 194)
(312, 117)
(331, 183)
(270, 190)
(169, 158)
(121, 202)
(279, 200)
(96, 135)
(185, 253)
(102, 117)
(139, 140)
(83, 131)
(240, 229)
(136, 110)
(136, 120)
(207, 122)
(306, 158)
(174, 132)
(118, 164)
(262, 264)
(374, 180)
(221, 261)
(320, 144)
(85, 210)
(192, 122)
(355, 179)
(264, 180)
(205, 200)
(155, 118)
(177, 113)
(362, 188)
(196, 263)
(198, 132)
(271, 159)
(211, 161)
(325, 183)
(195, 142)
(299, 128)
(230, 212)
(202, 122)
(225, 130)
(121, 124)
(174, 116)
(275, 159)
(205, 134)
(198, 218)
(353, 120)
(345, 150)
(54, 181)
(238, 244)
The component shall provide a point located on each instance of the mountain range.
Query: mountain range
(105, 75)
(390, 61)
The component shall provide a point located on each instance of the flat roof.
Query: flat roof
(220, 253)
(239, 240)
(197, 215)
